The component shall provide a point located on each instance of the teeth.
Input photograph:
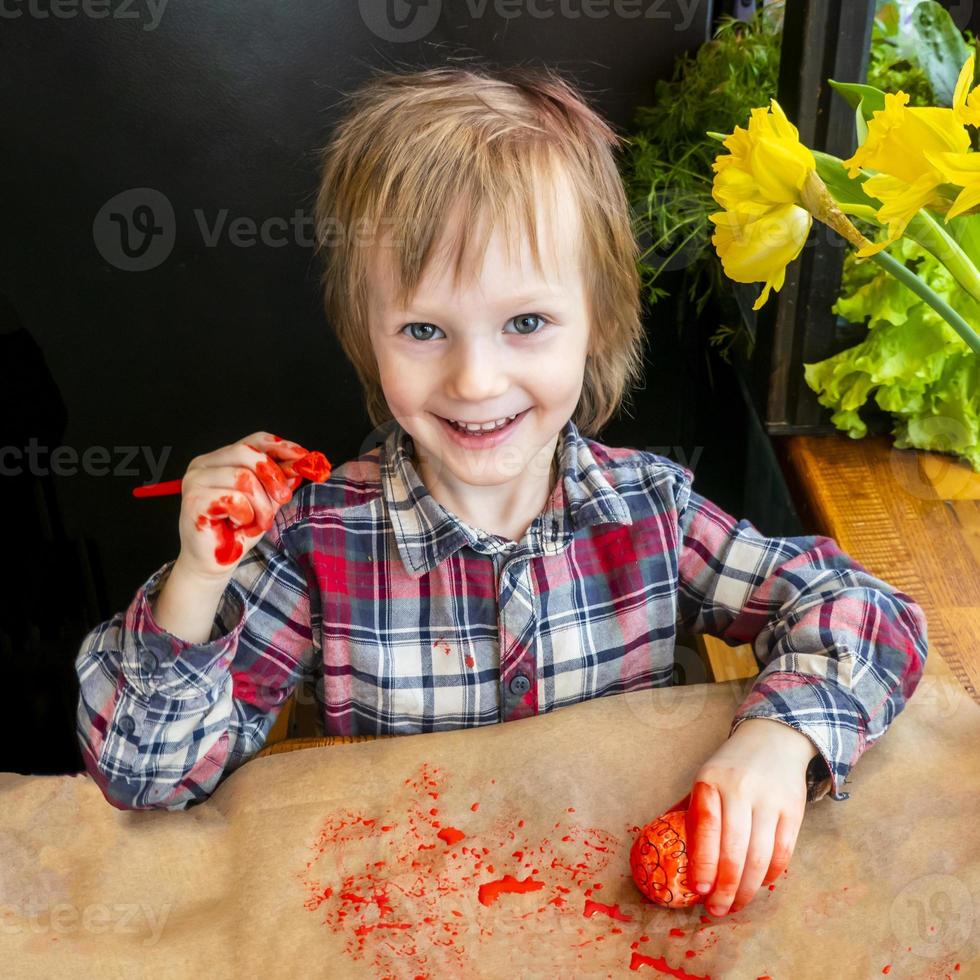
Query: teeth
(483, 426)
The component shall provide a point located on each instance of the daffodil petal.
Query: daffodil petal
(899, 138)
(967, 199)
(900, 200)
(758, 248)
(963, 83)
(957, 168)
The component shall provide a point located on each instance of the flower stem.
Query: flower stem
(908, 278)
(930, 234)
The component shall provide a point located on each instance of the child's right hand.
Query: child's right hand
(229, 499)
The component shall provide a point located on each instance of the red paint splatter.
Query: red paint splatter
(424, 883)
(611, 910)
(490, 891)
(450, 835)
(659, 963)
(677, 932)
(474, 807)
(887, 969)
(470, 662)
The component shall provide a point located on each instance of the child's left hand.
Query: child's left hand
(745, 812)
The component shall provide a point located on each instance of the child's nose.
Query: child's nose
(476, 373)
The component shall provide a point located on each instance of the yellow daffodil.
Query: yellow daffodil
(962, 169)
(760, 185)
(966, 107)
(902, 145)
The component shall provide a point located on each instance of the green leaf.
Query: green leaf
(940, 47)
(912, 363)
(845, 189)
(867, 98)
(860, 124)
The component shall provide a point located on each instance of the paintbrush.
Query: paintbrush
(314, 466)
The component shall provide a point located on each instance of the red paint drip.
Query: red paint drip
(659, 963)
(611, 910)
(490, 891)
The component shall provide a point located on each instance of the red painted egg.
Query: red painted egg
(658, 860)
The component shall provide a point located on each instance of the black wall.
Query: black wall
(201, 112)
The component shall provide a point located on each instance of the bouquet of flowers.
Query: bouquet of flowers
(914, 185)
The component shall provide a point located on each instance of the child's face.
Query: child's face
(505, 343)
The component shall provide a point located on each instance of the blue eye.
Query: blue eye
(420, 331)
(527, 316)
(427, 328)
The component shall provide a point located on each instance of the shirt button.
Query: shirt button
(520, 684)
(148, 661)
(127, 724)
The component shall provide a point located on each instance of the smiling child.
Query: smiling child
(490, 560)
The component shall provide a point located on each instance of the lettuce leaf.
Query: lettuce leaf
(913, 363)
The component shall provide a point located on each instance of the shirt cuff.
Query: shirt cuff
(154, 661)
(825, 774)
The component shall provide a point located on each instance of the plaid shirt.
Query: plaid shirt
(409, 620)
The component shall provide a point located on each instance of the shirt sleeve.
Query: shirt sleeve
(840, 651)
(161, 721)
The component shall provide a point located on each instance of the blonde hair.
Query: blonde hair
(415, 146)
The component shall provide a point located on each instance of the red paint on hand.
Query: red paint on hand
(234, 521)
(314, 466)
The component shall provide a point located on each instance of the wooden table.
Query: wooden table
(912, 518)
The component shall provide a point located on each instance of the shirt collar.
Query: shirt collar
(426, 532)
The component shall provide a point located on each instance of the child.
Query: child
(452, 578)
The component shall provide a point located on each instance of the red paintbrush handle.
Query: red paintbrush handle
(313, 466)
(158, 489)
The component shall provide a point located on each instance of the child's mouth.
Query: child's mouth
(483, 438)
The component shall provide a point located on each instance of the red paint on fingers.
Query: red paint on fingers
(228, 516)
(313, 466)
